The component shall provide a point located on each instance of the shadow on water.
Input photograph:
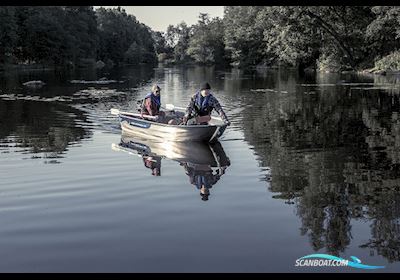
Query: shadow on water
(44, 120)
(203, 163)
(332, 150)
(40, 128)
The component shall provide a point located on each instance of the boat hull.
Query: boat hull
(178, 133)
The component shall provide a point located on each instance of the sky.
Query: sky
(159, 17)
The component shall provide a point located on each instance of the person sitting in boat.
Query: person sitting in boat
(152, 103)
(151, 106)
(201, 105)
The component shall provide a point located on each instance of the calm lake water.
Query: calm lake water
(310, 164)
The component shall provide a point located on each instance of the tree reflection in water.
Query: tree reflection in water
(44, 128)
(333, 151)
(32, 122)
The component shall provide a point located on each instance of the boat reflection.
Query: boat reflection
(204, 163)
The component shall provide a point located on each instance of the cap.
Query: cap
(205, 86)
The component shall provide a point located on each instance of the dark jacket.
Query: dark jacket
(202, 106)
(151, 105)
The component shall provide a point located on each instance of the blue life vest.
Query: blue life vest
(203, 108)
(201, 180)
(155, 99)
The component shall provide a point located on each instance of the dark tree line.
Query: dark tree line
(330, 38)
(73, 35)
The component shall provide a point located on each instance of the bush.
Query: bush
(329, 63)
(162, 57)
(100, 64)
(390, 62)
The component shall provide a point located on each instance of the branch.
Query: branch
(328, 28)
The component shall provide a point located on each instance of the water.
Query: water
(310, 164)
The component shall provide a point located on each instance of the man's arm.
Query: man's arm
(189, 108)
(143, 107)
(215, 104)
(149, 106)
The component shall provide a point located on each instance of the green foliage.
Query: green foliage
(285, 39)
(206, 45)
(56, 35)
(122, 38)
(328, 63)
(298, 35)
(330, 38)
(177, 37)
(243, 36)
(81, 27)
(390, 62)
(162, 50)
(383, 33)
(8, 33)
(199, 47)
(73, 35)
(45, 38)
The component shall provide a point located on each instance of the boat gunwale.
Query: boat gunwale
(174, 125)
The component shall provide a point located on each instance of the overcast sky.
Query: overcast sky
(159, 17)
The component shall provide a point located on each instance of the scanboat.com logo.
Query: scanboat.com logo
(329, 260)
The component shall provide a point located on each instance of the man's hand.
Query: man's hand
(185, 119)
(228, 123)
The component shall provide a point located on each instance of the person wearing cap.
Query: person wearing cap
(201, 105)
(152, 103)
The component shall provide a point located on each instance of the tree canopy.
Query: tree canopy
(71, 35)
(331, 38)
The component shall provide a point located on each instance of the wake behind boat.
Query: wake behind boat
(134, 124)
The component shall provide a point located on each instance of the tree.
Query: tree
(383, 33)
(342, 27)
(199, 44)
(45, 37)
(287, 38)
(81, 26)
(332, 38)
(119, 33)
(8, 33)
(206, 45)
(297, 35)
(243, 37)
(178, 38)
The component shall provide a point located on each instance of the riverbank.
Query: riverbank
(25, 67)
(387, 65)
(380, 68)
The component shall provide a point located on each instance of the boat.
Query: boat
(134, 124)
(193, 153)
